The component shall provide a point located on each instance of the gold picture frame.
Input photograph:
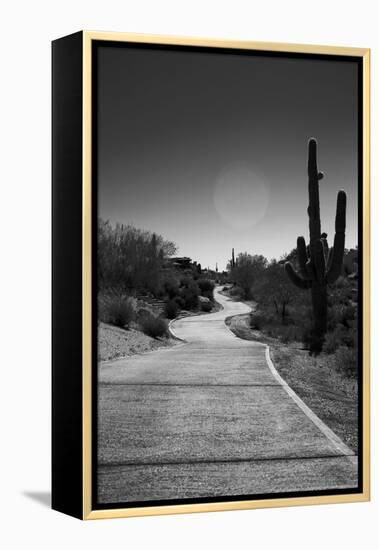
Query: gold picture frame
(87, 511)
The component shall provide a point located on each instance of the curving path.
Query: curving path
(209, 417)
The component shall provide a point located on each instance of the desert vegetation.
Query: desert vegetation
(284, 311)
(323, 319)
(282, 317)
(305, 306)
(142, 285)
(130, 259)
(245, 271)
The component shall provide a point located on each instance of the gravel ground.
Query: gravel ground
(114, 342)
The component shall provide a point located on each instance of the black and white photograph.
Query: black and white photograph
(190, 266)
(227, 205)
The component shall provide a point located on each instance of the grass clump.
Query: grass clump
(346, 361)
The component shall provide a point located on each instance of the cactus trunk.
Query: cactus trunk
(320, 312)
(318, 265)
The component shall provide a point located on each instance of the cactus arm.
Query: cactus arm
(310, 271)
(337, 259)
(330, 259)
(302, 256)
(339, 239)
(325, 248)
(340, 224)
(325, 245)
(295, 278)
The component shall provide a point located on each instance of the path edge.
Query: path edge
(329, 434)
(172, 332)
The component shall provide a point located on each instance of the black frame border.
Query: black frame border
(232, 51)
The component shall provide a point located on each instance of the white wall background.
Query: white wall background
(27, 29)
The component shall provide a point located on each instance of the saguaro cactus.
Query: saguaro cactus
(319, 266)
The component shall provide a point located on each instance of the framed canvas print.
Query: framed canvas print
(210, 275)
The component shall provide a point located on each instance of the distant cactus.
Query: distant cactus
(233, 262)
(319, 266)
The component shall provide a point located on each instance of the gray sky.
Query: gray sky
(210, 149)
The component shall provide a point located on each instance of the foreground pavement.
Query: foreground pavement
(209, 418)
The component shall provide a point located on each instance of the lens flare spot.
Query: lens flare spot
(241, 196)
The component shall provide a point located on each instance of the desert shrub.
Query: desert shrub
(236, 292)
(284, 336)
(289, 333)
(116, 309)
(257, 321)
(331, 342)
(341, 282)
(332, 318)
(292, 329)
(189, 292)
(143, 312)
(171, 309)
(154, 326)
(180, 302)
(270, 325)
(206, 307)
(208, 294)
(205, 285)
(171, 287)
(185, 280)
(347, 314)
(346, 361)
(307, 335)
(341, 314)
(340, 336)
(130, 258)
(190, 296)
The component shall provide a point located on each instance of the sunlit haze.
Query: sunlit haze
(210, 150)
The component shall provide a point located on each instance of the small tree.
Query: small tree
(276, 289)
(247, 270)
(129, 258)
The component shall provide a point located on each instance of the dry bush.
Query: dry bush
(171, 309)
(155, 327)
(116, 309)
(346, 361)
(206, 307)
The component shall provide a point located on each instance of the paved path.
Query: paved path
(208, 418)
